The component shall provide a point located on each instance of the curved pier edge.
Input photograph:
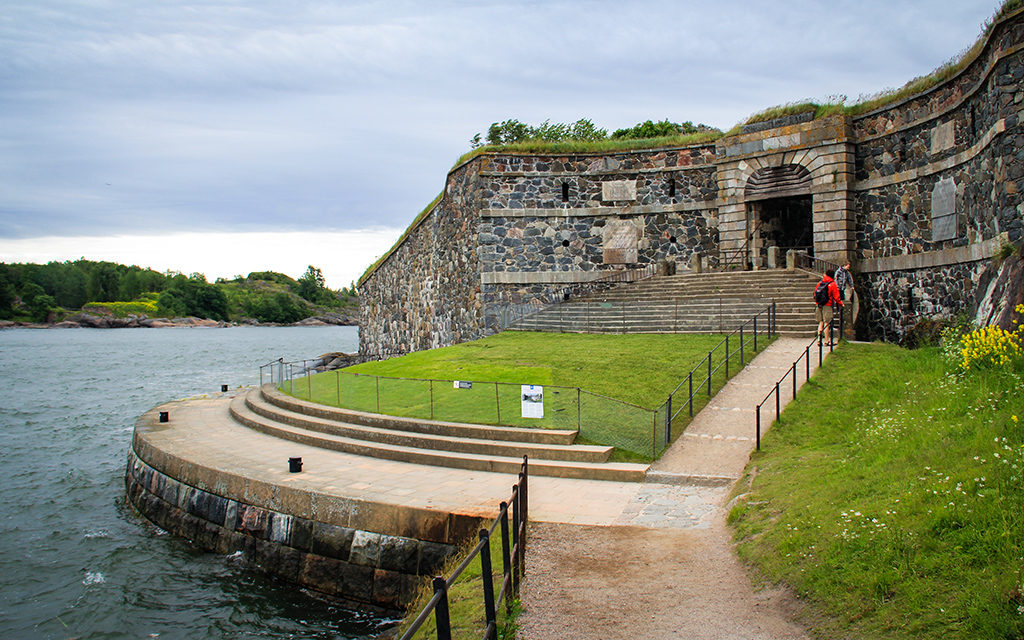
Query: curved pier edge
(371, 570)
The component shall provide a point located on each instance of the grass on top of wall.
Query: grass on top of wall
(891, 497)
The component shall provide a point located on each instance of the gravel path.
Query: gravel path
(665, 568)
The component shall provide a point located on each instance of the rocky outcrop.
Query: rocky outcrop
(1000, 291)
(91, 321)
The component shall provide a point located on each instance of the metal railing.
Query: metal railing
(806, 358)
(712, 314)
(740, 340)
(510, 313)
(595, 417)
(806, 261)
(513, 555)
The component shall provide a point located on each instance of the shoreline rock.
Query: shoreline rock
(90, 321)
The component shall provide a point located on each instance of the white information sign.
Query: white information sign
(533, 401)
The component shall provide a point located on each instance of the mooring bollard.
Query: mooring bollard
(165, 416)
(294, 465)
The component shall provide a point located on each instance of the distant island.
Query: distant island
(84, 293)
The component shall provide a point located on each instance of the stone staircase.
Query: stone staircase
(688, 303)
(429, 442)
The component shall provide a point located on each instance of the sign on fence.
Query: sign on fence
(533, 401)
(462, 384)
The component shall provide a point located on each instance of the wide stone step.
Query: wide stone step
(621, 472)
(258, 404)
(274, 396)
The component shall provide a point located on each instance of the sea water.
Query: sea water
(76, 561)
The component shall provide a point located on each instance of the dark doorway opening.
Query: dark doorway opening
(786, 223)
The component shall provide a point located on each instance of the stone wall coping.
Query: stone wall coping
(584, 212)
(957, 255)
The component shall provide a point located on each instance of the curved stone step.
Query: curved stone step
(416, 425)
(255, 401)
(620, 472)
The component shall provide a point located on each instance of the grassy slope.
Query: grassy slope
(891, 497)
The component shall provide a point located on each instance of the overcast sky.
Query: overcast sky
(231, 136)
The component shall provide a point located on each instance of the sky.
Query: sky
(229, 136)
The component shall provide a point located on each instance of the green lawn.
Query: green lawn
(891, 497)
(613, 387)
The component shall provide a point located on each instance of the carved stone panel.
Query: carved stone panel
(618, 191)
(944, 226)
(620, 242)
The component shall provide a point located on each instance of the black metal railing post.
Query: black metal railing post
(709, 374)
(758, 412)
(690, 376)
(487, 573)
(441, 616)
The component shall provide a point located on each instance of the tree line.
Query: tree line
(583, 130)
(43, 292)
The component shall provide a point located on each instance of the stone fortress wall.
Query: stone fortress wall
(918, 194)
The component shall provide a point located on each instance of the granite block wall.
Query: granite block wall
(370, 570)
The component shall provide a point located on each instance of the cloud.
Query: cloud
(128, 118)
(341, 256)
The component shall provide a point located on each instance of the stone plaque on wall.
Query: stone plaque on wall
(943, 137)
(620, 242)
(944, 225)
(618, 191)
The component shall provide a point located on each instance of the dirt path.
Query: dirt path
(664, 567)
(586, 582)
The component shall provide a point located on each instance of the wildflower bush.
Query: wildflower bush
(987, 348)
(891, 496)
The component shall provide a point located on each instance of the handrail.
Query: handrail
(807, 261)
(563, 294)
(513, 564)
(806, 356)
(771, 328)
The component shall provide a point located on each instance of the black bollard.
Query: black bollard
(294, 465)
(165, 416)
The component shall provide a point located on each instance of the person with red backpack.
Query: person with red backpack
(826, 297)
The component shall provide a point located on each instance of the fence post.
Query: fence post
(377, 380)
(431, 399)
(337, 384)
(506, 566)
(794, 380)
(309, 381)
(497, 403)
(758, 427)
(441, 619)
(515, 540)
(487, 573)
(690, 376)
(807, 355)
(709, 374)
(778, 411)
(755, 333)
(668, 421)
(579, 412)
